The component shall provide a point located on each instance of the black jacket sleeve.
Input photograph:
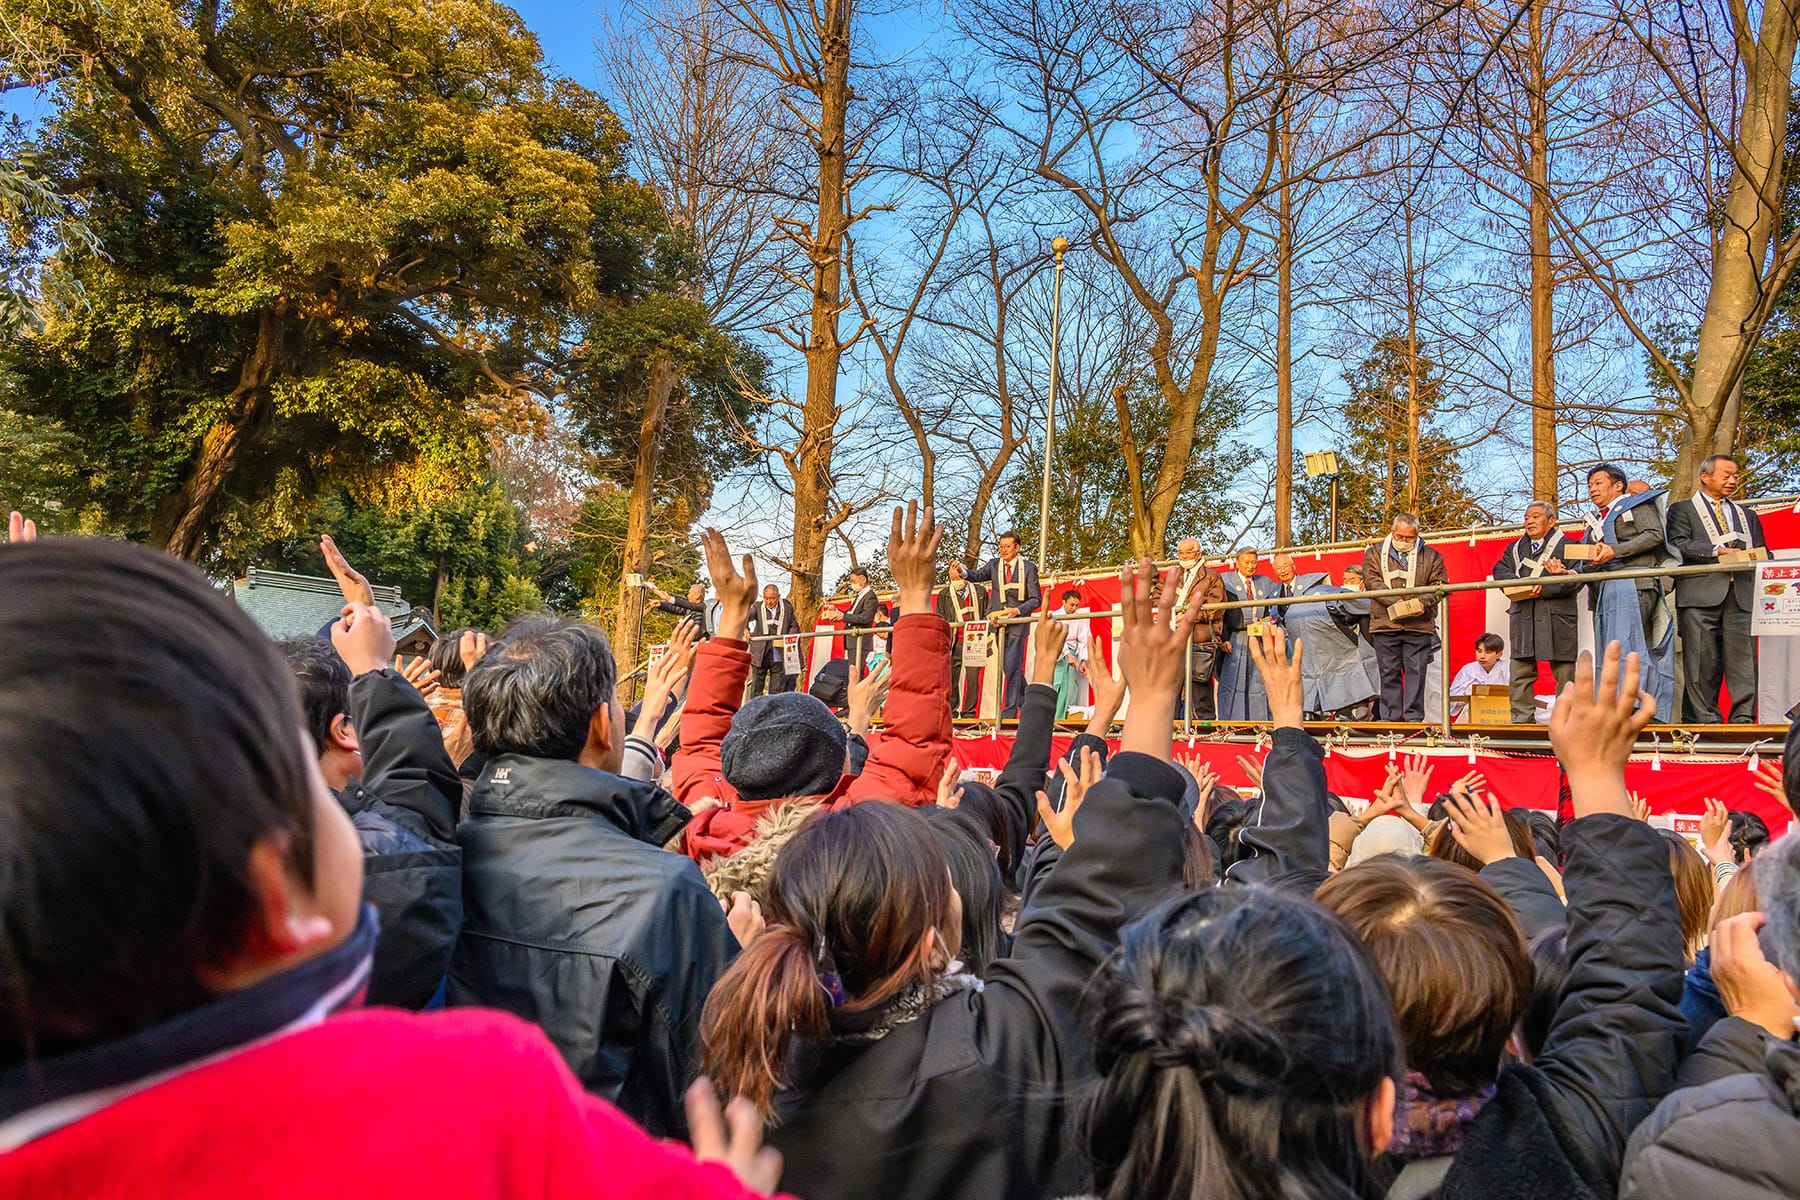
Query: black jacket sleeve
(1045, 853)
(1527, 891)
(1125, 858)
(405, 764)
(1733, 1046)
(1290, 831)
(1023, 777)
(1649, 535)
(1687, 537)
(1611, 1051)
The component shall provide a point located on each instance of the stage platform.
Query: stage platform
(1675, 768)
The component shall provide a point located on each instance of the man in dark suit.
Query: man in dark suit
(693, 608)
(960, 602)
(1543, 623)
(769, 673)
(1403, 629)
(1012, 581)
(1713, 611)
(864, 611)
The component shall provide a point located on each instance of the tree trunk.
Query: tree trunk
(183, 521)
(818, 438)
(1284, 344)
(1543, 327)
(628, 621)
(1740, 248)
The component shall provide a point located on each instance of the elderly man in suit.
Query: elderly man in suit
(1626, 532)
(1199, 584)
(770, 671)
(1013, 591)
(960, 602)
(1714, 610)
(1403, 629)
(1543, 621)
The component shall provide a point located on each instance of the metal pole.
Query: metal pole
(1057, 247)
(1443, 632)
(1334, 480)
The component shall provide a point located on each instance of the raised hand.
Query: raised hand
(419, 672)
(1048, 637)
(1593, 731)
(1076, 782)
(472, 647)
(745, 918)
(664, 676)
(1109, 693)
(733, 1135)
(1281, 676)
(364, 638)
(1415, 777)
(912, 556)
(949, 795)
(1768, 782)
(18, 529)
(350, 582)
(1640, 807)
(1478, 826)
(1155, 659)
(868, 693)
(1252, 769)
(1750, 985)
(735, 587)
(1715, 833)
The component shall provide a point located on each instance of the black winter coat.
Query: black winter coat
(1542, 629)
(404, 810)
(971, 1098)
(578, 921)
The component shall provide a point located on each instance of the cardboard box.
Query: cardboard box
(1520, 592)
(1400, 610)
(1579, 552)
(1753, 554)
(1490, 704)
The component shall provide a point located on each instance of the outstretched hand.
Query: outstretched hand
(664, 676)
(1076, 782)
(1479, 826)
(350, 581)
(868, 694)
(1281, 676)
(1154, 658)
(472, 647)
(1715, 833)
(1594, 728)
(912, 556)
(364, 638)
(19, 529)
(1109, 694)
(735, 588)
(1048, 637)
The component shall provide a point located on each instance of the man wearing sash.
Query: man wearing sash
(1241, 695)
(1403, 629)
(1337, 672)
(1627, 534)
(960, 602)
(1543, 622)
(861, 616)
(1200, 585)
(1714, 610)
(1071, 665)
(1012, 581)
(770, 670)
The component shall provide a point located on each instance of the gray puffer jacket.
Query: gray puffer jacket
(1731, 1139)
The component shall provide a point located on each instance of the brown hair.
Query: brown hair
(851, 903)
(1694, 890)
(1453, 956)
(1737, 897)
(1443, 844)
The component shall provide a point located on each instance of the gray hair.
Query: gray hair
(536, 693)
(1549, 508)
(1411, 520)
(1778, 890)
(1712, 460)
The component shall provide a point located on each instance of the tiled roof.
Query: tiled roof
(288, 605)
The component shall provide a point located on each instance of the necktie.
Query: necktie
(1718, 512)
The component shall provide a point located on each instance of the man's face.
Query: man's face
(1284, 568)
(1352, 579)
(858, 580)
(1487, 658)
(1246, 563)
(1009, 549)
(1722, 480)
(1188, 552)
(1603, 489)
(1404, 535)
(1537, 522)
(771, 597)
(1071, 603)
(696, 594)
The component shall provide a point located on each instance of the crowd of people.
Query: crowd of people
(296, 919)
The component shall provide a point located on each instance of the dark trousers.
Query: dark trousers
(1716, 647)
(1012, 657)
(1201, 704)
(1402, 657)
(1522, 688)
(1647, 601)
(965, 689)
(770, 678)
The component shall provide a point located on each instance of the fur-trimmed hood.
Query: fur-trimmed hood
(746, 870)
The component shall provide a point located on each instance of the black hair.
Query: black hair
(1550, 974)
(1071, 592)
(983, 805)
(1490, 641)
(1546, 834)
(1239, 1035)
(1223, 827)
(1612, 471)
(536, 693)
(324, 680)
(150, 739)
(1749, 836)
(976, 877)
(445, 657)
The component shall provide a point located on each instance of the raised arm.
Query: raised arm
(1290, 831)
(721, 667)
(905, 761)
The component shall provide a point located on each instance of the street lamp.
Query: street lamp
(1058, 247)
(1323, 464)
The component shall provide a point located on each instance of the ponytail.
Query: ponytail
(769, 996)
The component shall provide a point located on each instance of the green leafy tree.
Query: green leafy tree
(337, 245)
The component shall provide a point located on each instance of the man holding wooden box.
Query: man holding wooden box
(1403, 629)
(1713, 611)
(1544, 609)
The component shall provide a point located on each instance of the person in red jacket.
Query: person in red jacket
(185, 948)
(786, 747)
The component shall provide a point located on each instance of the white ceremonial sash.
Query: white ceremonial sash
(1408, 576)
(1719, 536)
(1534, 567)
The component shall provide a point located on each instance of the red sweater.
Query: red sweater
(904, 762)
(465, 1104)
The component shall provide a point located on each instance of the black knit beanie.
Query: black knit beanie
(787, 744)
